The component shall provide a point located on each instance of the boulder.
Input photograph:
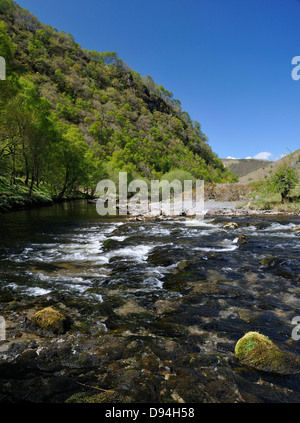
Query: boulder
(50, 320)
(296, 228)
(230, 225)
(111, 244)
(258, 351)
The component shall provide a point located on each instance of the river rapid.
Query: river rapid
(168, 299)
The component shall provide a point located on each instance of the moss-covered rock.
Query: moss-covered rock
(258, 351)
(102, 397)
(111, 244)
(269, 261)
(49, 319)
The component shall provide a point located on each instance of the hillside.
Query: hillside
(70, 117)
(264, 172)
(241, 167)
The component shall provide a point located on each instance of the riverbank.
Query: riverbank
(17, 197)
(223, 200)
(238, 208)
(224, 208)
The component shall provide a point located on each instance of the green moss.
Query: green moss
(258, 351)
(268, 261)
(49, 319)
(102, 397)
(111, 244)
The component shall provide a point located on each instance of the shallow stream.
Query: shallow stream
(190, 281)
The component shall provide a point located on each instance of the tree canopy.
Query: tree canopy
(69, 116)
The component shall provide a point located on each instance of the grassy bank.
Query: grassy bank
(259, 199)
(18, 197)
(253, 196)
(274, 203)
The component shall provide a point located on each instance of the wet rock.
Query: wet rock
(281, 267)
(296, 228)
(257, 351)
(269, 261)
(184, 264)
(101, 397)
(111, 244)
(149, 361)
(164, 306)
(130, 307)
(242, 239)
(49, 319)
(161, 257)
(230, 225)
(166, 327)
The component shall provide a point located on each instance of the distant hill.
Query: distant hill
(241, 167)
(265, 171)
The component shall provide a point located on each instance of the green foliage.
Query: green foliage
(6, 6)
(70, 117)
(7, 47)
(284, 179)
(179, 175)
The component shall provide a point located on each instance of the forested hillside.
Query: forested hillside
(70, 117)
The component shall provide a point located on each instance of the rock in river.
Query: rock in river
(230, 225)
(242, 239)
(258, 351)
(50, 319)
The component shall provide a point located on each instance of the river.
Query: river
(186, 289)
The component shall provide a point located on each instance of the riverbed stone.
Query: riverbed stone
(111, 244)
(258, 351)
(50, 319)
(242, 239)
(230, 225)
(269, 261)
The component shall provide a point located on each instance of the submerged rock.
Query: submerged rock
(184, 264)
(111, 244)
(269, 261)
(296, 228)
(242, 239)
(50, 320)
(258, 351)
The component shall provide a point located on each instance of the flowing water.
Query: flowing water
(185, 279)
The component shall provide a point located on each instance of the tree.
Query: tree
(6, 6)
(7, 47)
(284, 179)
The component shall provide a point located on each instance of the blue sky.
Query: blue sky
(227, 61)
